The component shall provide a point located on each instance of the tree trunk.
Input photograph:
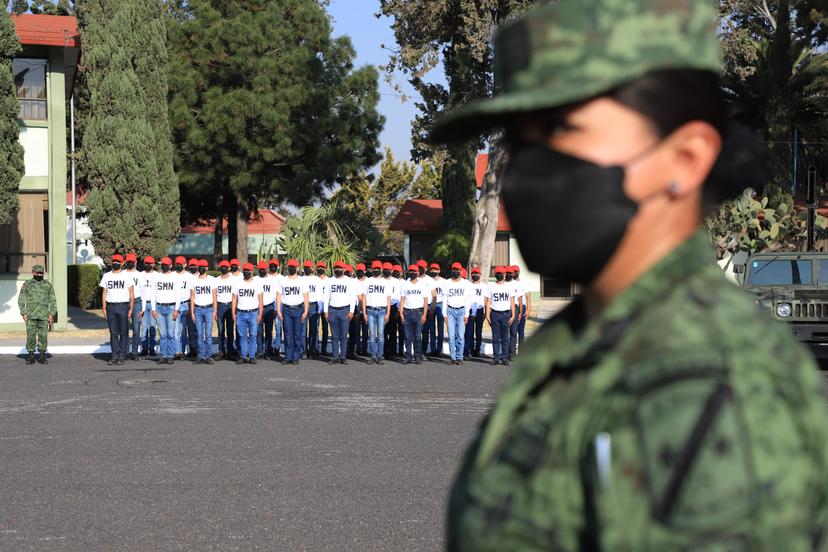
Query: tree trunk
(231, 211)
(488, 209)
(218, 235)
(241, 232)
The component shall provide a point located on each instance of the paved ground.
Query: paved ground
(230, 457)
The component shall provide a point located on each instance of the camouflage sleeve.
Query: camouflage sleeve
(23, 299)
(719, 450)
(52, 300)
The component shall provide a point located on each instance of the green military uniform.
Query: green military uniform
(37, 301)
(682, 418)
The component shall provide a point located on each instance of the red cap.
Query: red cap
(500, 270)
(413, 268)
(149, 259)
(387, 266)
(435, 265)
(339, 264)
(274, 261)
(261, 266)
(321, 264)
(248, 266)
(166, 261)
(117, 257)
(293, 262)
(224, 263)
(376, 264)
(464, 273)
(458, 266)
(180, 260)
(204, 263)
(234, 262)
(422, 263)
(398, 268)
(349, 268)
(515, 268)
(308, 264)
(193, 262)
(476, 270)
(360, 266)
(131, 257)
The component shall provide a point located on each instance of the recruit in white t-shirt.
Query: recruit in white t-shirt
(117, 286)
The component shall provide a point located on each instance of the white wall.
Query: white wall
(531, 280)
(9, 291)
(35, 142)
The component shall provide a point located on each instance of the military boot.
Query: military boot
(30, 359)
(42, 359)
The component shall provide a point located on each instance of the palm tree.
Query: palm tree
(314, 234)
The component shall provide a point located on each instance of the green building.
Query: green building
(44, 74)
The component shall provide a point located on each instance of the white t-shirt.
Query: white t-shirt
(394, 290)
(413, 293)
(136, 283)
(165, 290)
(500, 296)
(439, 286)
(247, 293)
(359, 286)
(270, 287)
(479, 291)
(117, 286)
(203, 288)
(293, 291)
(377, 292)
(458, 295)
(314, 288)
(146, 287)
(342, 292)
(520, 291)
(323, 292)
(428, 286)
(224, 289)
(185, 282)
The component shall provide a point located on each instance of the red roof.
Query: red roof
(266, 221)
(423, 215)
(480, 166)
(47, 30)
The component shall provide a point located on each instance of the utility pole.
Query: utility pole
(811, 205)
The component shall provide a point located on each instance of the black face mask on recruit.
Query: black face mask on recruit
(116, 266)
(179, 268)
(193, 269)
(360, 273)
(202, 270)
(455, 274)
(475, 277)
(307, 270)
(386, 273)
(338, 272)
(568, 215)
(508, 277)
(224, 270)
(320, 271)
(247, 274)
(165, 268)
(129, 265)
(412, 275)
(234, 268)
(273, 268)
(376, 272)
(149, 268)
(291, 270)
(499, 277)
(262, 272)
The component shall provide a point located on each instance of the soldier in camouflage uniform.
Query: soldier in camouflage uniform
(38, 306)
(660, 410)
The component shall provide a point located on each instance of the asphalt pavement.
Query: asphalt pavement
(229, 457)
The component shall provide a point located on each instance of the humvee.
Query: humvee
(793, 286)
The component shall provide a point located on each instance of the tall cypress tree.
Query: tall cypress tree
(11, 152)
(129, 184)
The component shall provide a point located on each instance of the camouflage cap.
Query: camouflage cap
(572, 50)
(38, 268)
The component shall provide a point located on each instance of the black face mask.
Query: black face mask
(307, 270)
(376, 272)
(179, 268)
(386, 273)
(455, 274)
(508, 277)
(499, 277)
(193, 269)
(320, 271)
(273, 268)
(396, 274)
(569, 215)
(262, 272)
(37, 277)
(224, 270)
(202, 270)
(412, 275)
(116, 266)
(291, 270)
(360, 273)
(130, 265)
(247, 274)
(348, 274)
(234, 268)
(165, 268)
(338, 272)
(149, 268)
(432, 274)
(421, 272)
(475, 277)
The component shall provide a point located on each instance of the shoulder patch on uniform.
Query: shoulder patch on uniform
(694, 446)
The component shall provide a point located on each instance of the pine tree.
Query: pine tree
(120, 142)
(11, 152)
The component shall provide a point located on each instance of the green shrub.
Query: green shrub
(83, 283)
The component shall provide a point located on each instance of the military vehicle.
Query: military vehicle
(793, 286)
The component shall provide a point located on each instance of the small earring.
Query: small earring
(673, 189)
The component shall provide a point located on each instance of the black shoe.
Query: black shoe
(198, 361)
(42, 359)
(30, 359)
(162, 361)
(380, 361)
(418, 361)
(252, 361)
(207, 361)
(495, 362)
(241, 361)
(220, 356)
(333, 361)
(505, 363)
(119, 362)
(133, 356)
(112, 361)
(343, 361)
(152, 352)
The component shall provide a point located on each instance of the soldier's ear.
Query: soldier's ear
(695, 147)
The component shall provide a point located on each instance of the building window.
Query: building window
(23, 242)
(500, 255)
(30, 80)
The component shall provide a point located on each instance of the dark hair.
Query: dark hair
(671, 98)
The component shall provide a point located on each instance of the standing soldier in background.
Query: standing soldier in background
(390, 346)
(204, 312)
(457, 295)
(192, 333)
(339, 307)
(413, 304)
(224, 312)
(314, 297)
(321, 269)
(526, 306)
(355, 326)
(165, 304)
(38, 307)
(247, 312)
(500, 314)
(138, 305)
(474, 327)
(146, 287)
(182, 279)
(378, 308)
(519, 293)
(269, 337)
(118, 298)
(436, 329)
(292, 309)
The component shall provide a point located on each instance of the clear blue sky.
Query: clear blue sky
(355, 18)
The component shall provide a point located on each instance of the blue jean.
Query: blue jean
(413, 324)
(376, 331)
(148, 330)
(264, 337)
(204, 330)
(312, 339)
(117, 319)
(166, 327)
(248, 329)
(522, 326)
(338, 320)
(136, 327)
(513, 332)
(181, 327)
(433, 333)
(474, 333)
(456, 332)
(226, 328)
(500, 334)
(294, 331)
